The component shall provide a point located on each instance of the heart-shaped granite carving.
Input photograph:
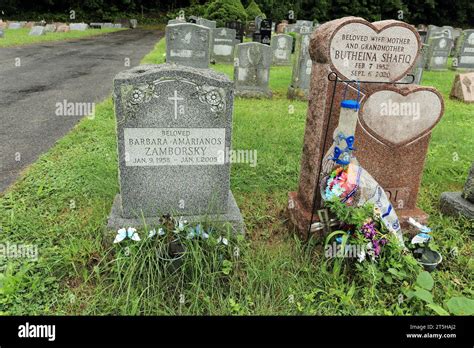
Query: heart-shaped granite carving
(398, 119)
(359, 50)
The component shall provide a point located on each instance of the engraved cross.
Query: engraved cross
(175, 99)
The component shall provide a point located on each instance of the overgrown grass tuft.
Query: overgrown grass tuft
(61, 204)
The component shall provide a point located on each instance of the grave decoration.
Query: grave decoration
(343, 178)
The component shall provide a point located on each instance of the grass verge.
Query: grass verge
(20, 37)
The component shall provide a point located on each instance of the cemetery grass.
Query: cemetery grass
(61, 204)
(20, 37)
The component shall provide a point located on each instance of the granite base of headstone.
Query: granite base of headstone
(174, 128)
(460, 203)
(463, 88)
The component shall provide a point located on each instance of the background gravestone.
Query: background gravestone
(438, 53)
(252, 70)
(37, 31)
(465, 55)
(223, 42)
(188, 44)
(281, 49)
(206, 22)
(463, 88)
(418, 68)
(174, 126)
(393, 155)
(78, 26)
(133, 23)
(63, 28)
(14, 25)
(2, 34)
(299, 88)
(460, 203)
(50, 28)
(250, 29)
(239, 28)
(96, 25)
(266, 31)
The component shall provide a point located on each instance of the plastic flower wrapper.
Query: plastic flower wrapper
(343, 178)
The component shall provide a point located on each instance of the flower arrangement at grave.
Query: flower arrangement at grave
(353, 195)
(172, 236)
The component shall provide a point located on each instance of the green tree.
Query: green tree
(253, 10)
(226, 10)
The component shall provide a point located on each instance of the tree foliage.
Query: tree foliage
(253, 10)
(439, 12)
(226, 10)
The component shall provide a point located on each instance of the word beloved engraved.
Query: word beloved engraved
(359, 51)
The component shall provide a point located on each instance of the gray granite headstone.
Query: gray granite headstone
(206, 22)
(281, 49)
(460, 203)
(299, 88)
(14, 25)
(223, 43)
(252, 70)
(418, 68)
(176, 21)
(78, 26)
(50, 28)
(435, 32)
(2, 34)
(303, 26)
(174, 128)
(133, 23)
(108, 25)
(438, 53)
(37, 31)
(117, 25)
(188, 44)
(465, 56)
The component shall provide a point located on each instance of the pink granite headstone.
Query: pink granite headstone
(391, 147)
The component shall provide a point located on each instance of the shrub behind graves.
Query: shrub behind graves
(253, 10)
(223, 11)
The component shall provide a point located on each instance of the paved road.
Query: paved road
(49, 73)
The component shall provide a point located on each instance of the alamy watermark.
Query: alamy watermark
(66, 108)
(16, 251)
(394, 108)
